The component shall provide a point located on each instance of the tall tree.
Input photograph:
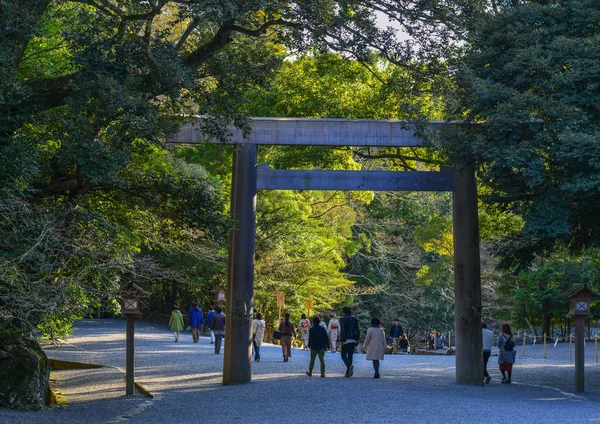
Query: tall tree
(531, 82)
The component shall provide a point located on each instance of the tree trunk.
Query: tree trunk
(546, 321)
(531, 327)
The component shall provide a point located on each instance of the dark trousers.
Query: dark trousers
(218, 339)
(195, 334)
(376, 366)
(347, 354)
(313, 356)
(486, 357)
(256, 349)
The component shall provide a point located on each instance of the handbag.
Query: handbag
(277, 335)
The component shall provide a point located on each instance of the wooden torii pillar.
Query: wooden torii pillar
(248, 178)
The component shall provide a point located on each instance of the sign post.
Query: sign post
(579, 302)
(308, 306)
(130, 295)
(280, 303)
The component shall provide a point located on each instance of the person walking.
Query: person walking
(287, 330)
(196, 317)
(374, 344)
(507, 354)
(439, 340)
(488, 342)
(258, 333)
(303, 327)
(333, 330)
(176, 322)
(403, 344)
(209, 317)
(317, 342)
(349, 335)
(322, 323)
(218, 327)
(396, 333)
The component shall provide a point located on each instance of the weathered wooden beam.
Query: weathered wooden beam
(467, 278)
(276, 179)
(317, 132)
(237, 361)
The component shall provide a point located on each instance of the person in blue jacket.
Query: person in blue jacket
(196, 317)
(209, 318)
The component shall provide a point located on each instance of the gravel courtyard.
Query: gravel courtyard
(185, 379)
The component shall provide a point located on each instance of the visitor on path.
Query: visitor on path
(349, 335)
(317, 342)
(209, 317)
(176, 322)
(258, 332)
(303, 327)
(488, 342)
(333, 330)
(322, 323)
(430, 340)
(396, 333)
(439, 340)
(375, 344)
(196, 317)
(507, 354)
(218, 327)
(403, 344)
(286, 329)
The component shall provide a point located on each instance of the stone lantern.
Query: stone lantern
(579, 297)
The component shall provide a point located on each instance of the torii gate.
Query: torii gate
(248, 177)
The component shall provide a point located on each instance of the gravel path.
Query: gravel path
(186, 381)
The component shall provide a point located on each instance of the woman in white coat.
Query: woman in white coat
(333, 330)
(375, 344)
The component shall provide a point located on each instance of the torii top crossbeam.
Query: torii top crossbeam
(319, 132)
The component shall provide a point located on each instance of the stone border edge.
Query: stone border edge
(59, 365)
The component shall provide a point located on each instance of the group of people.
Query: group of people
(319, 338)
(436, 340)
(332, 330)
(506, 354)
(215, 322)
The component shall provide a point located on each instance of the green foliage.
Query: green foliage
(531, 81)
(537, 295)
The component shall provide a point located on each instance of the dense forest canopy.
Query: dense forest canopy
(92, 196)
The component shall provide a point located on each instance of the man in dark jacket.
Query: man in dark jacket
(218, 327)
(317, 343)
(349, 335)
(209, 316)
(196, 317)
(396, 333)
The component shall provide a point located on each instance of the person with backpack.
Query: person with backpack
(333, 330)
(507, 354)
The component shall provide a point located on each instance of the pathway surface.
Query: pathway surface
(186, 381)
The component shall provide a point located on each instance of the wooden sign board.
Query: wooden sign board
(221, 295)
(280, 300)
(309, 304)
